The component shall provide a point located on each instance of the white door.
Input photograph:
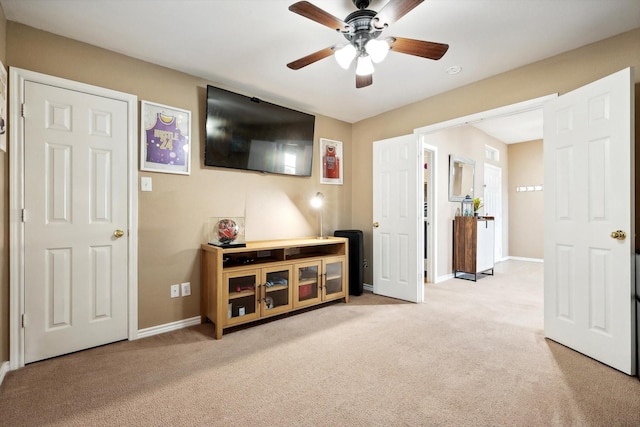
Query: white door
(75, 199)
(398, 218)
(493, 203)
(589, 193)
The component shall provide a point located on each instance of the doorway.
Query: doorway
(493, 204)
(440, 230)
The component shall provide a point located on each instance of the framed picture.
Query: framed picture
(165, 140)
(3, 108)
(330, 161)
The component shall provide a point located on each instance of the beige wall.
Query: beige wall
(4, 220)
(560, 74)
(526, 208)
(172, 218)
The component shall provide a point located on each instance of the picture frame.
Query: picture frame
(165, 139)
(331, 162)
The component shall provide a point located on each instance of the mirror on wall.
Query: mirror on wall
(461, 171)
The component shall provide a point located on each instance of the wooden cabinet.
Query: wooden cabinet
(319, 281)
(473, 246)
(264, 279)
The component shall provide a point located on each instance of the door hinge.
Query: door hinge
(23, 215)
(24, 320)
(22, 109)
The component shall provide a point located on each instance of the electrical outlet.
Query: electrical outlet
(175, 291)
(186, 289)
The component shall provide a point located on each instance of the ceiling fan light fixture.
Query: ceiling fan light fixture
(364, 66)
(377, 50)
(344, 56)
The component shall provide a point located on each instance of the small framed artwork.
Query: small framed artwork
(165, 140)
(330, 161)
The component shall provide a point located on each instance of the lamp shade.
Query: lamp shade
(316, 201)
(364, 66)
(377, 50)
(345, 55)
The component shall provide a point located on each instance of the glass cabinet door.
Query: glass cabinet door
(276, 290)
(334, 283)
(307, 287)
(241, 295)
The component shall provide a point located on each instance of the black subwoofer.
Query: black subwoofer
(356, 259)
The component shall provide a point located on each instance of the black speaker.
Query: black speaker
(356, 259)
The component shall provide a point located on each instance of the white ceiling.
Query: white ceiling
(513, 128)
(244, 45)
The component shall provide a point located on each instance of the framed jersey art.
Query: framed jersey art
(165, 139)
(330, 161)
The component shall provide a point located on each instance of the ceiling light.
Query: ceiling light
(345, 55)
(364, 66)
(377, 49)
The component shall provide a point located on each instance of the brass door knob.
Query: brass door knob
(118, 233)
(619, 235)
(376, 224)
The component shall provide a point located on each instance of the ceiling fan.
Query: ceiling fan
(362, 29)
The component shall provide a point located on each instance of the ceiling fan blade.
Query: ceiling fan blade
(310, 59)
(393, 11)
(429, 50)
(306, 9)
(364, 81)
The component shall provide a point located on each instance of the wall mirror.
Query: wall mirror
(461, 172)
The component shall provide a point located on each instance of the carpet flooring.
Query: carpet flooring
(473, 354)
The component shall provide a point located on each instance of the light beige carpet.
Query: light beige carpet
(472, 355)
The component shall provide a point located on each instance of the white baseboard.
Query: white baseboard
(167, 327)
(444, 278)
(4, 368)
(367, 287)
(519, 258)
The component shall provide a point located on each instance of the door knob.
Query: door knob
(618, 234)
(118, 233)
(376, 224)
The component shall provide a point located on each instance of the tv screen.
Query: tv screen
(250, 134)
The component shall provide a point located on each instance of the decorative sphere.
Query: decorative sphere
(227, 230)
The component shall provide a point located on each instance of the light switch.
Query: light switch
(145, 183)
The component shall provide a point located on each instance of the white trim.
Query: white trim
(445, 278)
(367, 287)
(520, 258)
(17, 80)
(507, 110)
(168, 327)
(4, 368)
(432, 269)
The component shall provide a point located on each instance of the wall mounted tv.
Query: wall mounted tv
(250, 134)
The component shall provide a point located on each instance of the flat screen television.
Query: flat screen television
(251, 134)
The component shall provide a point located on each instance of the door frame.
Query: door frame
(17, 79)
(424, 132)
(432, 205)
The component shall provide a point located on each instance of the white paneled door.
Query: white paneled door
(75, 221)
(398, 218)
(589, 227)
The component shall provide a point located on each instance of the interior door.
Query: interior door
(493, 203)
(589, 193)
(398, 218)
(75, 220)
